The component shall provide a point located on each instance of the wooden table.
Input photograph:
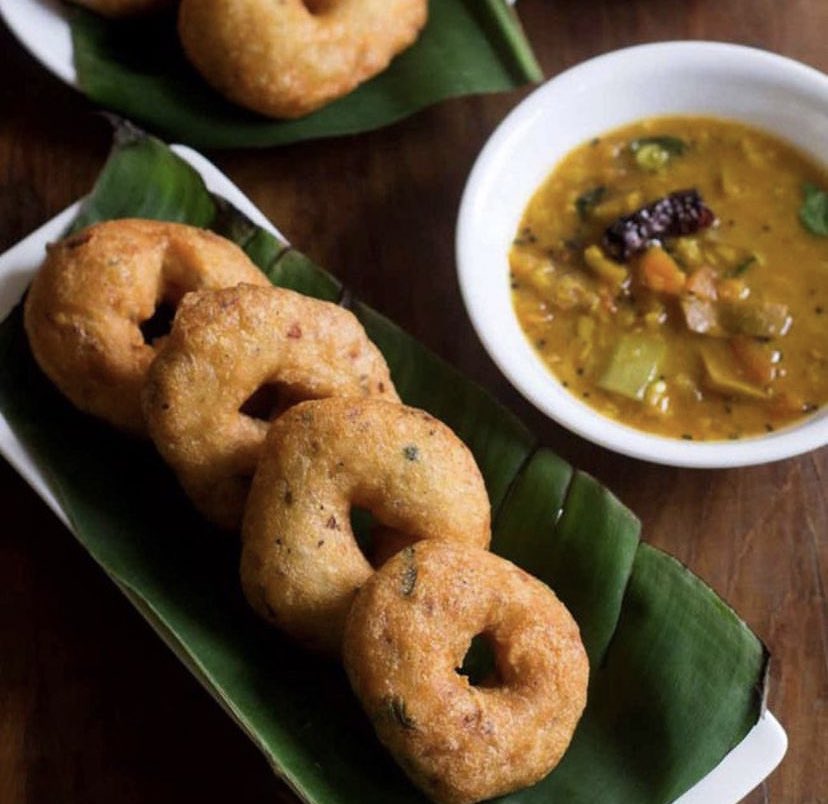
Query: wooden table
(94, 708)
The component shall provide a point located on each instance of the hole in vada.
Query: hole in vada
(377, 542)
(479, 664)
(384, 542)
(317, 6)
(158, 325)
(362, 525)
(268, 402)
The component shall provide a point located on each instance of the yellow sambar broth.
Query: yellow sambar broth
(715, 334)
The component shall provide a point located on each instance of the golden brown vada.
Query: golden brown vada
(225, 346)
(407, 634)
(287, 59)
(301, 565)
(86, 305)
(123, 8)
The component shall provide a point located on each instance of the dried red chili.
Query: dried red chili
(680, 213)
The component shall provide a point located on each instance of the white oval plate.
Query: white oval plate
(759, 88)
(42, 27)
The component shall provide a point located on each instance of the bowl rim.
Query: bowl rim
(548, 395)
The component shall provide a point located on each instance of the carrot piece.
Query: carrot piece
(660, 272)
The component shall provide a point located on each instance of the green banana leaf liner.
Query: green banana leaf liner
(677, 679)
(467, 47)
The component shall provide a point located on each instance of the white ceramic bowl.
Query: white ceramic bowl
(771, 92)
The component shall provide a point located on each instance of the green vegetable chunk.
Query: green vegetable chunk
(757, 319)
(653, 153)
(814, 210)
(634, 365)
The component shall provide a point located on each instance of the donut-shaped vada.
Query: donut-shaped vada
(301, 565)
(409, 630)
(223, 347)
(85, 307)
(287, 58)
(123, 8)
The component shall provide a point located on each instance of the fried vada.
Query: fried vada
(287, 59)
(301, 565)
(226, 347)
(87, 304)
(407, 634)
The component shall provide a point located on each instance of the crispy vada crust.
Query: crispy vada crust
(300, 564)
(223, 347)
(410, 628)
(123, 8)
(85, 306)
(287, 59)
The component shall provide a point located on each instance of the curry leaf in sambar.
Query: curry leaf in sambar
(589, 199)
(814, 210)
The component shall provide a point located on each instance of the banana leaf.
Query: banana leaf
(677, 679)
(467, 47)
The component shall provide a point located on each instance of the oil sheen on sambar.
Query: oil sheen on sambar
(717, 334)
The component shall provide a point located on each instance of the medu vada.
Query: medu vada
(123, 8)
(407, 634)
(287, 59)
(86, 305)
(224, 347)
(301, 565)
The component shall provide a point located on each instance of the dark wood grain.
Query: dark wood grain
(94, 708)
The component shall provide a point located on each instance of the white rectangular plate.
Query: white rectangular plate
(736, 775)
